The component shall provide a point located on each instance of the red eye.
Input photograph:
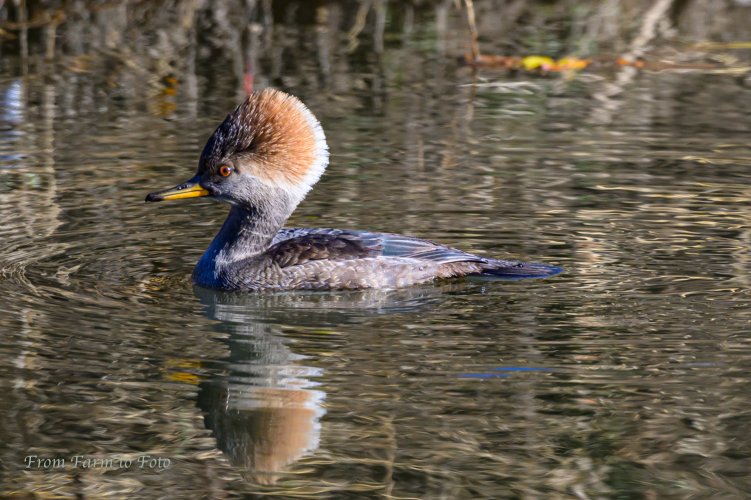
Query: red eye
(225, 170)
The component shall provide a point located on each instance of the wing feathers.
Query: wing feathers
(377, 244)
(301, 249)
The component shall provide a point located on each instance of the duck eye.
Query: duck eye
(225, 170)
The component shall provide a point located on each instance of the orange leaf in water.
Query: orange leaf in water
(638, 63)
(492, 61)
(572, 63)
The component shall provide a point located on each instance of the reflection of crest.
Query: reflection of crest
(263, 406)
(263, 423)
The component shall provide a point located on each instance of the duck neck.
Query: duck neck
(247, 232)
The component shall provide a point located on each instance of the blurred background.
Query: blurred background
(458, 121)
(192, 50)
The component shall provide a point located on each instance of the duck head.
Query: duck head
(268, 152)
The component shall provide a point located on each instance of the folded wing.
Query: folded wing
(294, 246)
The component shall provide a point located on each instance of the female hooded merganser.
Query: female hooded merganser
(262, 160)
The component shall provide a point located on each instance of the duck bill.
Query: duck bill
(190, 189)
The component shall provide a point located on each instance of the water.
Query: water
(624, 377)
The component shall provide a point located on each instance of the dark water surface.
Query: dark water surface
(627, 376)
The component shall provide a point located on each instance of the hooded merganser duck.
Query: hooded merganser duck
(262, 160)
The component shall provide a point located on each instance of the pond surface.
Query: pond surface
(627, 376)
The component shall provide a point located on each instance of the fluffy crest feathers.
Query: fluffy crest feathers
(275, 136)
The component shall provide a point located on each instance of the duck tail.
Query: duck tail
(514, 269)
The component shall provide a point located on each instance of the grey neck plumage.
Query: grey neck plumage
(247, 232)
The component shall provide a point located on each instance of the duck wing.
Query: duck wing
(303, 248)
(298, 245)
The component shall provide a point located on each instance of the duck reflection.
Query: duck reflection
(263, 404)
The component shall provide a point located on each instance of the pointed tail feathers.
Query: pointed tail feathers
(514, 269)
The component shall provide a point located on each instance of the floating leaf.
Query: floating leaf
(537, 62)
(572, 63)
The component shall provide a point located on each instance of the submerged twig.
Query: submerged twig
(472, 29)
(648, 28)
(609, 106)
(354, 32)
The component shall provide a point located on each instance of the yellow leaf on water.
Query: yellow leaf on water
(183, 377)
(535, 62)
(183, 363)
(569, 63)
